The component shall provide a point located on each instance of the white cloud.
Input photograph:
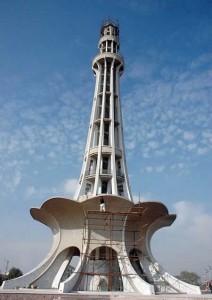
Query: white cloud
(172, 115)
(202, 150)
(30, 191)
(70, 186)
(193, 221)
(130, 145)
(153, 144)
(188, 135)
(12, 181)
(160, 152)
(52, 154)
(159, 169)
(151, 134)
(33, 135)
(207, 134)
(17, 178)
(178, 166)
(65, 189)
(140, 69)
(184, 210)
(187, 241)
(201, 60)
(191, 146)
(149, 169)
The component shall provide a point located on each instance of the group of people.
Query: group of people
(210, 286)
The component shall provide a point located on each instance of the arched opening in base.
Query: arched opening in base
(134, 255)
(102, 271)
(73, 259)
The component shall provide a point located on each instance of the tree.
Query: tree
(14, 273)
(190, 277)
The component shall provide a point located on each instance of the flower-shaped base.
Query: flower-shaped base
(112, 246)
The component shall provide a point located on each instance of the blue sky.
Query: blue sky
(46, 91)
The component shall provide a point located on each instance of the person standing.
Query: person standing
(102, 204)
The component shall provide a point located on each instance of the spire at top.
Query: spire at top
(110, 27)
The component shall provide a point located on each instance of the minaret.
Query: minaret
(104, 169)
(113, 244)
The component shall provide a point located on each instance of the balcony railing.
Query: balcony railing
(90, 172)
(102, 172)
(105, 172)
(120, 175)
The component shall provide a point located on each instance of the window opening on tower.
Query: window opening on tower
(104, 187)
(101, 81)
(114, 47)
(91, 167)
(121, 190)
(108, 77)
(105, 161)
(104, 46)
(116, 129)
(114, 80)
(99, 108)
(106, 134)
(107, 106)
(115, 109)
(88, 189)
(97, 134)
(109, 46)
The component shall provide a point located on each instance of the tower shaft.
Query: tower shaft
(104, 169)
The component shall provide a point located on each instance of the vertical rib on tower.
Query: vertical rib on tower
(104, 169)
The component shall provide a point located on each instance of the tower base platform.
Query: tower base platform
(29, 294)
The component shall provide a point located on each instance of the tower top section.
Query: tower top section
(110, 27)
(109, 37)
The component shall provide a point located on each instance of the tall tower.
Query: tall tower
(104, 169)
(113, 244)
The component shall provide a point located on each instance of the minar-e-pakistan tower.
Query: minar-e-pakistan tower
(102, 226)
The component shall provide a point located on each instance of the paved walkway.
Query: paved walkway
(29, 294)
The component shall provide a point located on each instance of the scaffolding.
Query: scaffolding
(114, 251)
(109, 237)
